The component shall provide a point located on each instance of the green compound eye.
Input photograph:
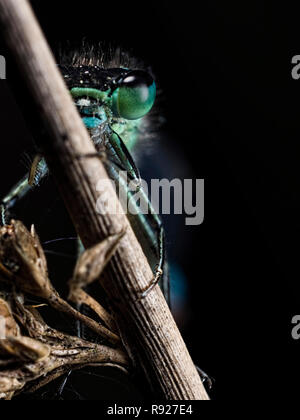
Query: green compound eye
(135, 95)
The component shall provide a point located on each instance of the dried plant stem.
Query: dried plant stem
(62, 306)
(83, 298)
(31, 360)
(148, 325)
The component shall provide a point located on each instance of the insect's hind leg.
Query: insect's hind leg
(206, 380)
(37, 172)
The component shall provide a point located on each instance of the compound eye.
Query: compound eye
(134, 96)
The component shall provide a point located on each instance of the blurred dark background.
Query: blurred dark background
(232, 112)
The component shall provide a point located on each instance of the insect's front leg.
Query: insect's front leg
(37, 172)
(16, 193)
(124, 159)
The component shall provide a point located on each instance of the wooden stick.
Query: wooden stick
(147, 325)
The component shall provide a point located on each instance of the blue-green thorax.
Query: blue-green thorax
(95, 108)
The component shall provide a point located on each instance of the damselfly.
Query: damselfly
(114, 99)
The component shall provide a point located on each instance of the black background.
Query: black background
(232, 116)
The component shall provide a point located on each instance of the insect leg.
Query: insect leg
(161, 272)
(148, 229)
(126, 160)
(38, 171)
(119, 156)
(205, 378)
(152, 222)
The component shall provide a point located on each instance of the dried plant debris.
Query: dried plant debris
(89, 267)
(32, 353)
